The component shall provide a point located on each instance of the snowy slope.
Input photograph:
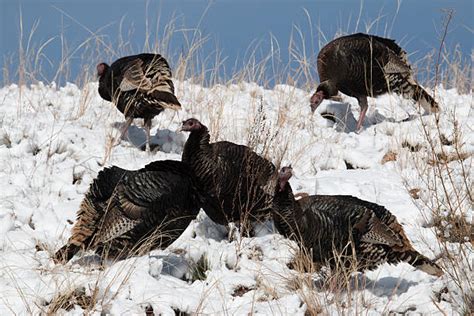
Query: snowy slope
(54, 140)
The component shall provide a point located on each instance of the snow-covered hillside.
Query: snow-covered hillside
(54, 140)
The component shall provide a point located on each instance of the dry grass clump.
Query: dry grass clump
(323, 289)
(68, 299)
(240, 290)
(453, 228)
(389, 156)
(445, 205)
(199, 269)
(446, 158)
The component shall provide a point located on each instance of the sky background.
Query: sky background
(232, 26)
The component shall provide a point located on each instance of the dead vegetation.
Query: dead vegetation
(67, 300)
(445, 205)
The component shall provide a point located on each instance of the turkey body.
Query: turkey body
(361, 65)
(339, 228)
(234, 180)
(139, 85)
(131, 212)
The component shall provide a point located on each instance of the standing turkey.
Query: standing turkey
(346, 226)
(130, 212)
(235, 182)
(140, 86)
(362, 65)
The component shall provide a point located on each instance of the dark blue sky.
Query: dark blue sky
(231, 25)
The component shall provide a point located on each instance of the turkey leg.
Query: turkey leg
(363, 109)
(147, 130)
(128, 122)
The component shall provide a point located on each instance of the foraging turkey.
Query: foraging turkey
(140, 86)
(130, 212)
(341, 224)
(361, 65)
(235, 182)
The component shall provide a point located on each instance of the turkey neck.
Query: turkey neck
(299, 221)
(105, 85)
(196, 145)
(286, 211)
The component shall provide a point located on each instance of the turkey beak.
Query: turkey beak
(316, 100)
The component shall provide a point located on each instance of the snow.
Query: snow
(54, 140)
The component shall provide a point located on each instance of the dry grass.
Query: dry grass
(199, 269)
(339, 288)
(444, 190)
(445, 205)
(68, 299)
(447, 179)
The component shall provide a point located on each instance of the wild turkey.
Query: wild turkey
(140, 86)
(361, 65)
(235, 182)
(346, 226)
(130, 212)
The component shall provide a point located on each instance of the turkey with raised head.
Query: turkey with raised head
(131, 212)
(140, 86)
(337, 228)
(236, 183)
(361, 65)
